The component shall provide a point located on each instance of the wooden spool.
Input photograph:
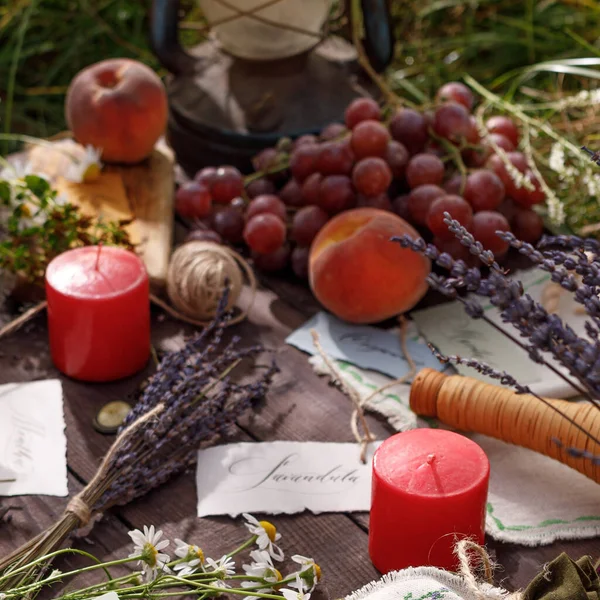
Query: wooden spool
(468, 404)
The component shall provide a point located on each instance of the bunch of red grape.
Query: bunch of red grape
(418, 165)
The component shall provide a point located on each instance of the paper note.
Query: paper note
(362, 345)
(33, 445)
(283, 477)
(452, 331)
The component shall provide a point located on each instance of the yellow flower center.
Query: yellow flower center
(270, 529)
(317, 572)
(92, 173)
(149, 554)
(199, 554)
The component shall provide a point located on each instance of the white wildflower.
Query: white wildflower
(309, 574)
(192, 555)
(220, 584)
(87, 168)
(261, 567)
(17, 171)
(296, 594)
(266, 535)
(147, 547)
(224, 567)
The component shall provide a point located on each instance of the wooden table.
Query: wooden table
(300, 406)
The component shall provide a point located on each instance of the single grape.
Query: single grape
(238, 203)
(333, 131)
(496, 164)
(397, 158)
(291, 194)
(336, 194)
(266, 204)
(454, 185)
(274, 261)
(335, 158)
(264, 233)
(424, 168)
(381, 201)
(473, 136)
(261, 186)
(455, 92)
(306, 140)
(484, 190)
(400, 206)
(527, 225)
(371, 176)
(229, 224)
(504, 126)
(369, 138)
(361, 109)
(502, 141)
(458, 208)
(227, 184)
(485, 225)
(420, 199)
(266, 159)
(310, 189)
(300, 256)
(306, 223)
(410, 128)
(303, 161)
(523, 196)
(193, 200)
(206, 176)
(203, 235)
(454, 248)
(452, 122)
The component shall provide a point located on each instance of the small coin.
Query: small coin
(111, 416)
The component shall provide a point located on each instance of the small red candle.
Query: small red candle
(98, 313)
(429, 490)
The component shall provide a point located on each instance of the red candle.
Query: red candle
(429, 490)
(98, 313)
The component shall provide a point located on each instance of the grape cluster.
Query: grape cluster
(417, 164)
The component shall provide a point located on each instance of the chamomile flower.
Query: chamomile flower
(261, 567)
(192, 555)
(310, 572)
(296, 594)
(223, 568)
(147, 546)
(87, 168)
(266, 536)
(17, 171)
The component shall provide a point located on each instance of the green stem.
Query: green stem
(245, 545)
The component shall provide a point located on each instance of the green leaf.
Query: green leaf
(37, 185)
(4, 193)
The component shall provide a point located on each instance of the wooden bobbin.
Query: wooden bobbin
(468, 404)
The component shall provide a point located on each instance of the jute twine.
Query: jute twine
(358, 414)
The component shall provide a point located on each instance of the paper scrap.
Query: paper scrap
(283, 477)
(33, 445)
(452, 331)
(363, 345)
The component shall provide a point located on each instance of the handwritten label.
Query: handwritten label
(362, 345)
(33, 445)
(282, 477)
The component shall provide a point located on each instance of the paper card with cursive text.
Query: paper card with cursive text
(283, 477)
(33, 446)
(362, 345)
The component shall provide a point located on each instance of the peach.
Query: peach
(119, 106)
(358, 274)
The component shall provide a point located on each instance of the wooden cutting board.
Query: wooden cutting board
(143, 192)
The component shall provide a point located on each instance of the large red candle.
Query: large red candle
(429, 490)
(98, 313)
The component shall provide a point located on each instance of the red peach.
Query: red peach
(361, 276)
(117, 105)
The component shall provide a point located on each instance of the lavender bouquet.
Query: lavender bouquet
(191, 401)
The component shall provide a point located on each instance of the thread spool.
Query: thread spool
(197, 277)
(468, 404)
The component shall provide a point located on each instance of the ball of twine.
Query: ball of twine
(198, 274)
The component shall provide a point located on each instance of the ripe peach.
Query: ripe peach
(358, 274)
(117, 105)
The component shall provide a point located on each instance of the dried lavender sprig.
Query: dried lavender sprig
(577, 452)
(569, 242)
(507, 379)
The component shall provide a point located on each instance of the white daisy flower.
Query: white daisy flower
(261, 567)
(147, 546)
(310, 572)
(192, 555)
(224, 567)
(220, 584)
(87, 168)
(266, 535)
(18, 170)
(296, 594)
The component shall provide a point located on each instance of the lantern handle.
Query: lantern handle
(379, 33)
(164, 37)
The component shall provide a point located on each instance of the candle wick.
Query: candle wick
(430, 459)
(97, 263)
